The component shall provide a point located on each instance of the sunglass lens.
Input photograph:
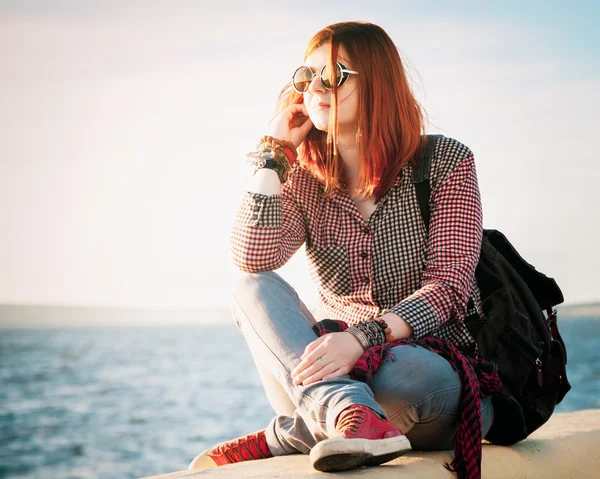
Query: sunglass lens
(329, 79)
(302, 78)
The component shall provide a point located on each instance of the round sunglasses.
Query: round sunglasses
(303, 77)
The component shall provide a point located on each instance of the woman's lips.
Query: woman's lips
(322, 105)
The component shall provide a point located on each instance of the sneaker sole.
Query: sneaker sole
(341, 454)
(202, 461)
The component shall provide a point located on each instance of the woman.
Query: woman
(350, 128)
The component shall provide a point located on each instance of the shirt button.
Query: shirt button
(363, 254)
(366, 229)
(254, 217)
(366, 280)
(256, 208)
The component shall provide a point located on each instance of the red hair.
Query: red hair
(390, 127)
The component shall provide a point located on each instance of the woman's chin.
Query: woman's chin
(320, 124)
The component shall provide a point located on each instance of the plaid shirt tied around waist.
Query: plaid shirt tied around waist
(364, 269)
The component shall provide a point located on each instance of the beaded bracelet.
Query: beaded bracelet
(277, 153)
(385, 328)
(373, 332)
(286, 146)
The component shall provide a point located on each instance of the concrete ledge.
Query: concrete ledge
(566, 446)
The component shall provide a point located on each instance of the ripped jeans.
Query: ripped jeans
(418, 392)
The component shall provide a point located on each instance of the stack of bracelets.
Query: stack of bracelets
(371, 333)
(278, 155)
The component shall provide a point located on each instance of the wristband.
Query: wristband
(362, 338)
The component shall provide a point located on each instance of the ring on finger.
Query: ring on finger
(321, 361)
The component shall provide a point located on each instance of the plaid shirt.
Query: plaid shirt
(364, 269)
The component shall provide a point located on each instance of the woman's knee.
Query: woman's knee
(438, 433)
(259, 284)
(248, 284)
(256, 293)
(414, 374)
(252, 288)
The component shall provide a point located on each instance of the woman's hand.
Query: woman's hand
(292, 124)
(339, 353)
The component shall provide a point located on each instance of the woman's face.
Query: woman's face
(317, 94)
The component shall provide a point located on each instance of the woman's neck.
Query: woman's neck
(349, 153)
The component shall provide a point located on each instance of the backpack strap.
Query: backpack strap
(421, 178)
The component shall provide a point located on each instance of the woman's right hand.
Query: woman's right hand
(292, 124)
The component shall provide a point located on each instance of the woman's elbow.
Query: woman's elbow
(251, 264)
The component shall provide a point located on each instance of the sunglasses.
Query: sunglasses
(303, 77)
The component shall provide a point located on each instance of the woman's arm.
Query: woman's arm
(453, 248)
(269, 226)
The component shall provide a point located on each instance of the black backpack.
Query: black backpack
(515, 333)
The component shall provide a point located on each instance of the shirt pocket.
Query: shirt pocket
(330, 268)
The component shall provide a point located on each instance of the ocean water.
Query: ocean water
(128, 402)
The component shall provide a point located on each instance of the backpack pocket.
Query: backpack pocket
(518, 356)
(516, 353)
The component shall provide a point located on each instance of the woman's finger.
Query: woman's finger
(320, 374)
(305, 127)
(305, 372)
(297, 109)
(315, 354)
(342, 371)
(303, 364)
(311, 347)
(308, 366)
(306, 362)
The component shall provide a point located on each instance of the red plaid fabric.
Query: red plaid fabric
(479, 379)
(364, 269)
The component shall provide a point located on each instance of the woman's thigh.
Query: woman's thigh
(420, 393)
(258, 292)
(276, 394)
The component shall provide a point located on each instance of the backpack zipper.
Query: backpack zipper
(538, 366)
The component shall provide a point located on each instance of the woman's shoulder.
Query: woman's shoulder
(448, 154)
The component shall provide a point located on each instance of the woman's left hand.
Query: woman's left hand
(339, 352)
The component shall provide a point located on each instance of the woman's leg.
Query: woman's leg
(420, 393)
(269, 314)
(276, 394)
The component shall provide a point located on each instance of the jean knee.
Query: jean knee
(244, 289)
(261, 285)
(249, 282)
(416, 373)
(252, 292)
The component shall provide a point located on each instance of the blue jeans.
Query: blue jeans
(419, 392)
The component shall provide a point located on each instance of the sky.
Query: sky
(124, 125)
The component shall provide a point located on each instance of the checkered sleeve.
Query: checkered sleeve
(453, 249)
(268, 230)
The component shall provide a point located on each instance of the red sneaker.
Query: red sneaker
(362, 438)
(246, 448)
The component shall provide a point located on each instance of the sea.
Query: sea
(135, 401)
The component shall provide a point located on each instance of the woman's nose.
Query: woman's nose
(316, 85)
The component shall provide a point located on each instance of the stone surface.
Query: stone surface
(566, 446)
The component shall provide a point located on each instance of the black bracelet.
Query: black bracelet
(282, 172)
(275, 160)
